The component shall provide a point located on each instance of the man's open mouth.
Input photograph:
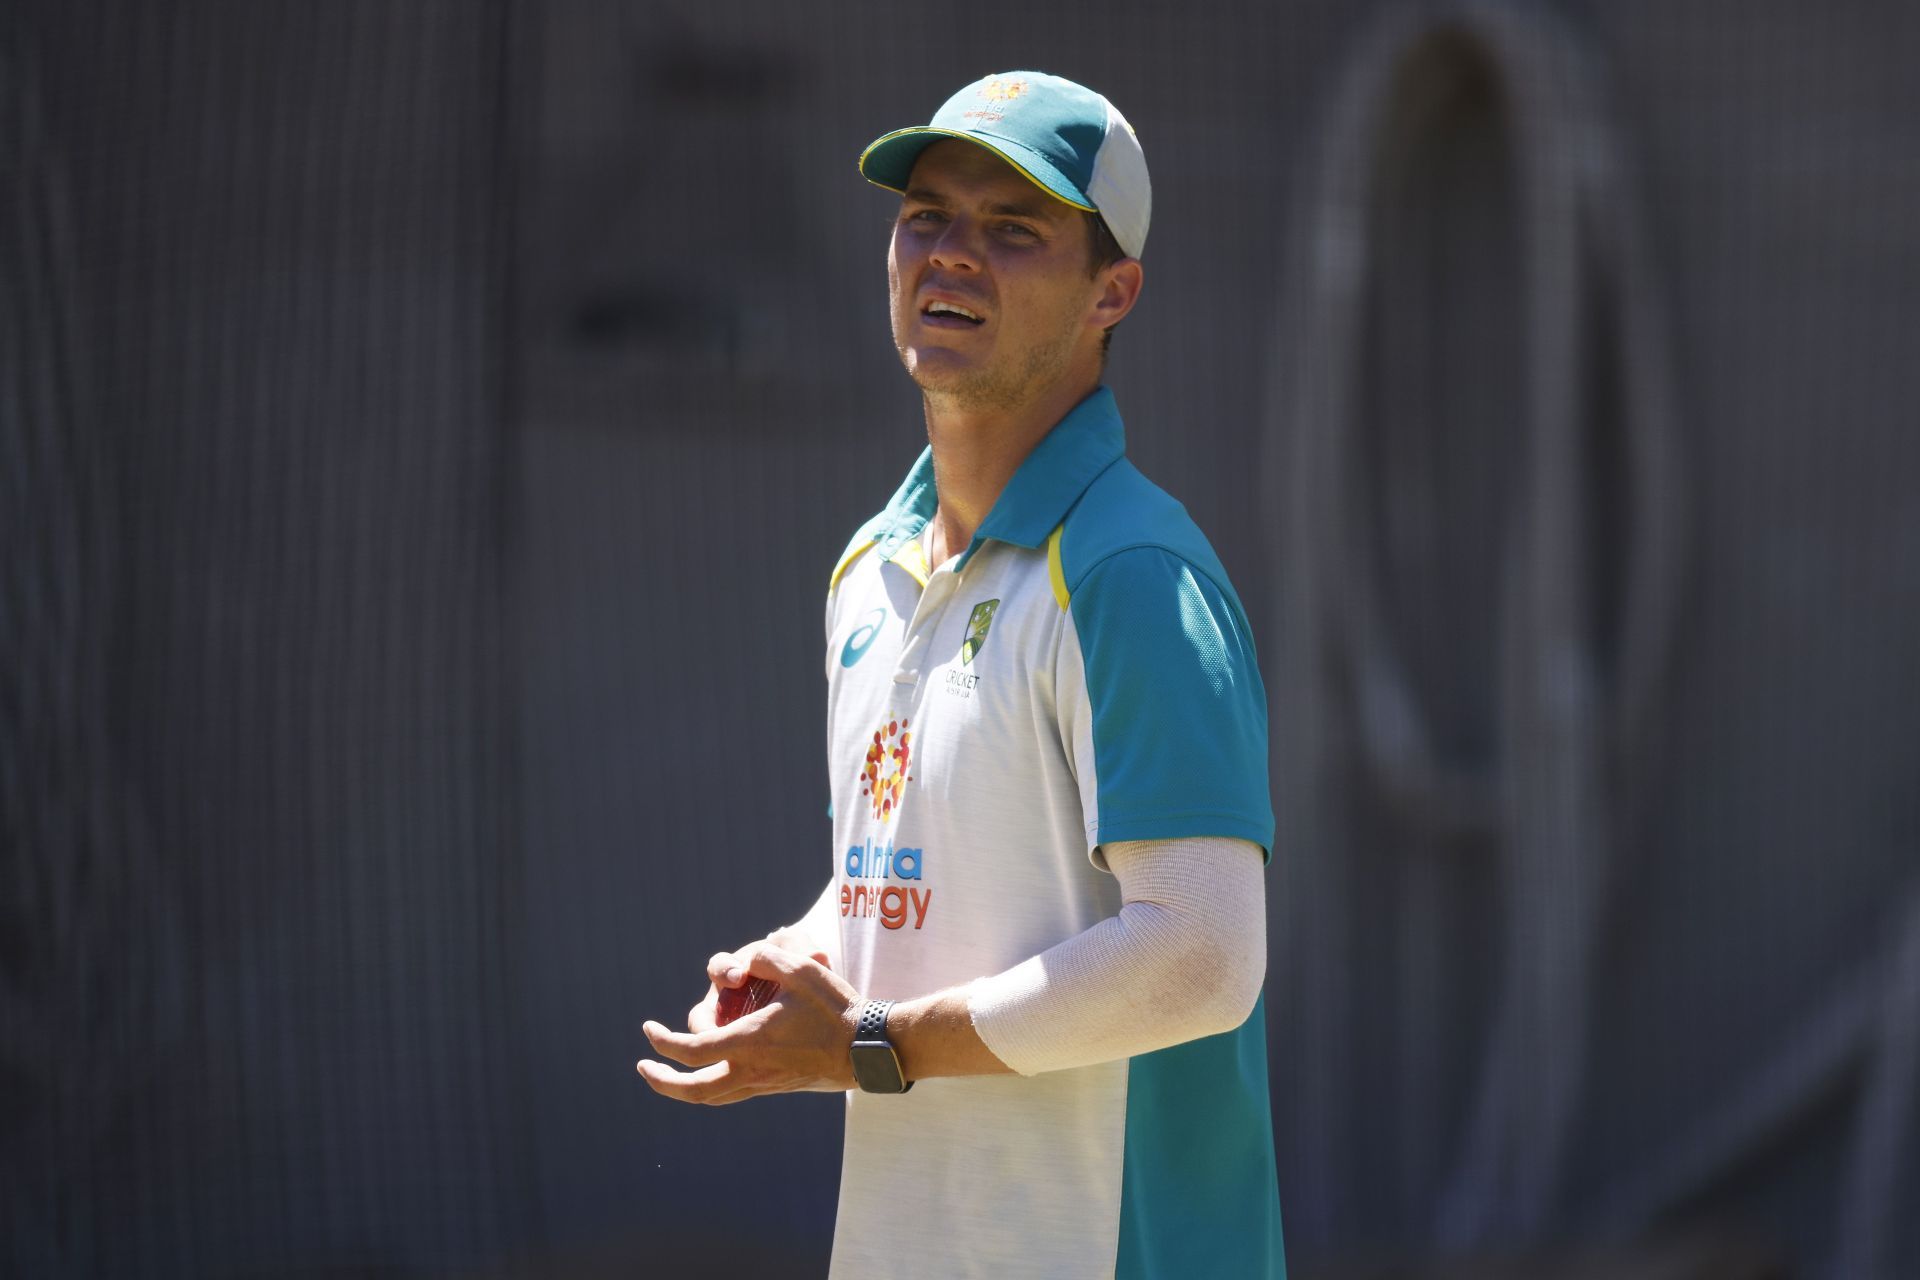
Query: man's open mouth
(950, 311)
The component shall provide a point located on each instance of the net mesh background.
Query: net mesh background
(425, 433)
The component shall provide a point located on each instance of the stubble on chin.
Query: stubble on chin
(990, 388)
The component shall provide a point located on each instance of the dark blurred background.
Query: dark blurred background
(425, 433)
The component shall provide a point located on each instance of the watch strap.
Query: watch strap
(873, 1020)
(876, 1064)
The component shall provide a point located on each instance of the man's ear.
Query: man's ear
(1119, 290)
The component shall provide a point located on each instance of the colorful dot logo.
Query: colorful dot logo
(883, 776)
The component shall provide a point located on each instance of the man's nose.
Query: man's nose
(956, 249)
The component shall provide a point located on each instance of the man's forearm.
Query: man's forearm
(1184, 958)
(934, 1036)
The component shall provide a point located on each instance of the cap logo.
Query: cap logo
(998, 92)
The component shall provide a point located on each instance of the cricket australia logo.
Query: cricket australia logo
(883, 774)
(998, 93)
(977, 627)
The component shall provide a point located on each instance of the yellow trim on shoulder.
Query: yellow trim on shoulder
(913, 558)
(1056, 574)
(846, 562)
(965, 137)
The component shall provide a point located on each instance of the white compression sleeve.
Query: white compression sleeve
(1184, 958)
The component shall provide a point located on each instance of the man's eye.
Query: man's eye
(924, 216)
(1019, 230)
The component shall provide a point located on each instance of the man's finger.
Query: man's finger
(765, 960)
(705, 1085)
(689, 1048)
(720, 963)
(713, 1086)
(731, 968)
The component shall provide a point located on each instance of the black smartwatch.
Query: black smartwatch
(876, 1067)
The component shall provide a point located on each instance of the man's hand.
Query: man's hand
(800, 1041)
(705, 1015)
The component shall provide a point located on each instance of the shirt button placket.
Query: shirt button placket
(925, 621)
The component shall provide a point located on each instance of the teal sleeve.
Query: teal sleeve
(1178, 710)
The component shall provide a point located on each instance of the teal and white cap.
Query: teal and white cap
(1073, 143)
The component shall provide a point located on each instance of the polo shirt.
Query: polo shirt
(1082, 673)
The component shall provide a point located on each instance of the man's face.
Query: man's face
(975, 234)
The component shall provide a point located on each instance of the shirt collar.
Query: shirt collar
(1081, 445)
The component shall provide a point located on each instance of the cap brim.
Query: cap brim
(888, 161)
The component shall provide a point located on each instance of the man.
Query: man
(1038, 962)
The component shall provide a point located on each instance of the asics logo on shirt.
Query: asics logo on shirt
(857, 644)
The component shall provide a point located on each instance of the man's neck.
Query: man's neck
(976, 450)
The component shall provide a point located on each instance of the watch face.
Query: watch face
(876, 1069)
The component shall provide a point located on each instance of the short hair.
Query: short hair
(1102, 252)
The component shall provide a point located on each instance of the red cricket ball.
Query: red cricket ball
(738, 1002)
